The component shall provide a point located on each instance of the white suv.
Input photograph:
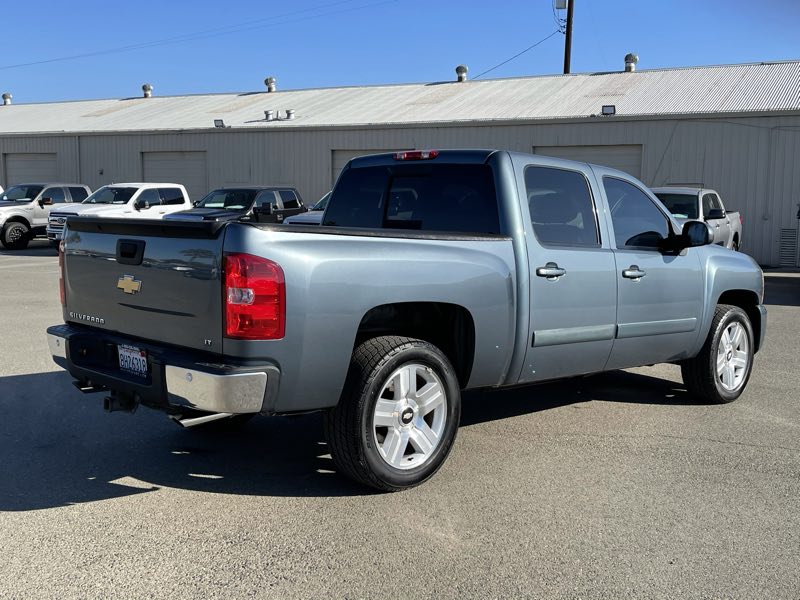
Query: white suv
(124, 200)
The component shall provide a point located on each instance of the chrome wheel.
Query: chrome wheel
(410, 416)
(733, 356)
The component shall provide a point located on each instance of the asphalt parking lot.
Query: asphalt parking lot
(613, 486)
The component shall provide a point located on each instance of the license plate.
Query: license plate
(132, 360)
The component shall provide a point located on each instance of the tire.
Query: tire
(720, 372)
(15, 236)
(404, 440)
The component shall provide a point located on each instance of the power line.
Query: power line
(518, 54)
(218, 31)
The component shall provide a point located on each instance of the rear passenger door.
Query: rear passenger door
(660, 294)
(721, 226)
(572, 281)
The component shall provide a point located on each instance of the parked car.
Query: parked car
(123, 200)
(314, 214)
(705, 205)
(260, 204)
(26, 207)
(436, 272)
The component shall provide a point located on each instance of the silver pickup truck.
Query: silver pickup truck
(705, 205)
(433, 272)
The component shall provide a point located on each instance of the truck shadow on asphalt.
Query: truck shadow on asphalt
(58, 448)
(35, 248)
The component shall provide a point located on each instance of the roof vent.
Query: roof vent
(630, 62)
(290, 113)
(461, 72)
(271, 83)
(269, 115)
(6, 99)
(148, 90)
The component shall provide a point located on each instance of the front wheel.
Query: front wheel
(719, 373)
(15, 236)
(398, 415)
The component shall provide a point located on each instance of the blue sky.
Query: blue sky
(320, 43)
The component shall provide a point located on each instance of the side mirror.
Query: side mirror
(696, 233)
(141, 205)
(715, 213)
(45, 202)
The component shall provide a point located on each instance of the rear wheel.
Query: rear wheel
(735, 245)
(15, 236)
(398, 415)
(719, 373)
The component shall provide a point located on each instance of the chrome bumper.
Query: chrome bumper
(216, 389)
(236, 393)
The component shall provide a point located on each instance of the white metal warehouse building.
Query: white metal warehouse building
(733, 128)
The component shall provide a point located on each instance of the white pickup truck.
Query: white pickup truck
(123, 200)
(25, 208)
(703, 204)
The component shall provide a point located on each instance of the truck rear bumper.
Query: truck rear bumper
(176, 378)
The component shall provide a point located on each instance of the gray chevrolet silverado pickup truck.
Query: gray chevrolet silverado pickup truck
(433, 272)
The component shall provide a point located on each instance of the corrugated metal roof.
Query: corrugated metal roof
(718, 89)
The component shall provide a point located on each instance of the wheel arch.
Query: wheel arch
(449, 327)
(748, 301)
(18, 219)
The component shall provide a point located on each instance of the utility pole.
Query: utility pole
(568, 42)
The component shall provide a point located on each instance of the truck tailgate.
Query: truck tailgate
(155, 280)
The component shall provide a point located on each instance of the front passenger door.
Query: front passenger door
(660, 296)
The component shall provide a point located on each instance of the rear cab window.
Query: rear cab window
(458, 198)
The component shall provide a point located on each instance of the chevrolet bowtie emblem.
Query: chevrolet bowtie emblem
(128, 284)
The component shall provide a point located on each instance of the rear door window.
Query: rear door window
(78, 194)
(150, 196)
(421, 197)
(172, 196)
(561, 207)
(289, 199)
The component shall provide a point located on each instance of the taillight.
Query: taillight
(62, 290)
(255, 298)
(416, 155)
(741, 220)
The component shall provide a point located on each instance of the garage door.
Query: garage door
(187, 168)
(626, 158)
(341, 157)
(25, 168)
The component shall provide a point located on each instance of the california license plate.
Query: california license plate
(132, 360)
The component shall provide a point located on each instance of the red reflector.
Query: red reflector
(416, 155)
(255, 298)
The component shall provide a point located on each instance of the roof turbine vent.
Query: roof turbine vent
(271, 83)
(148, 90)
(630, 62)
(7, 99)
(290, 113)
(461, 73)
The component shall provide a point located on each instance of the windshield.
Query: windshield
(228, 199)
(111, 195)
(323, 202)
(683, 206)
(21, 193)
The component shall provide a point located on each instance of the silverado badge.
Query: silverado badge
(129, 284)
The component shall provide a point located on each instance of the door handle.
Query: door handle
(633, 272)
(551, 271)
